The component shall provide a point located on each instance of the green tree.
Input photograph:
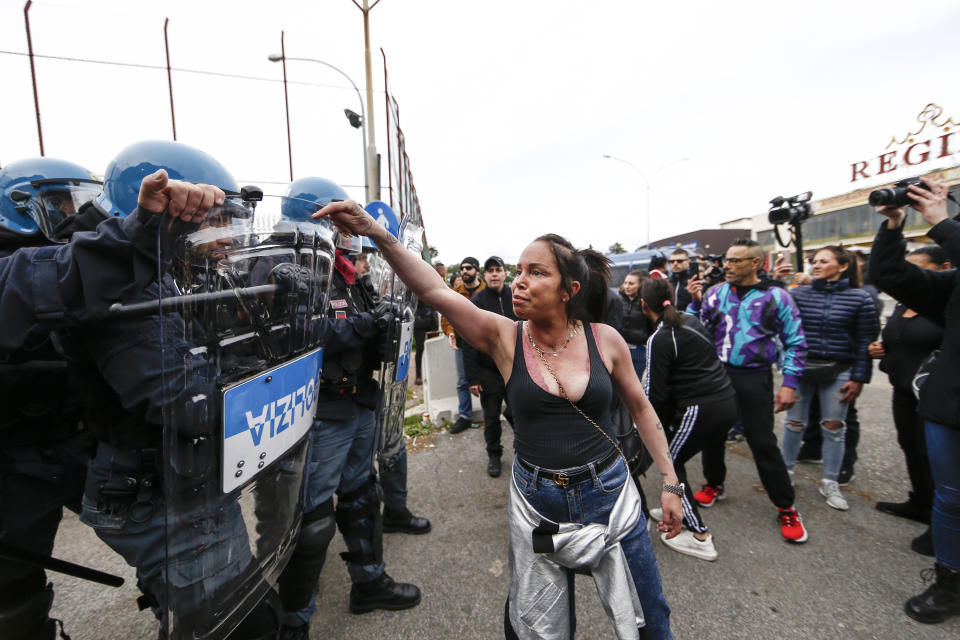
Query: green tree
(616, 247)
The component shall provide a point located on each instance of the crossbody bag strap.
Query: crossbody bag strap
(563, 393)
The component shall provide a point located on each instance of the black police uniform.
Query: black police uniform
(43, 456)
(341, 461)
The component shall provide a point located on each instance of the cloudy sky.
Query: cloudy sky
(508, 106)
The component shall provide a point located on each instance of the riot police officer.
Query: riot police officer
(343, 439)
(124, 372)
(44, 445)
(392, 459)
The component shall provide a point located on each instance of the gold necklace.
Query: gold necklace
(556, 351)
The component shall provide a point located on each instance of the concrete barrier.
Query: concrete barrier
(440, 382)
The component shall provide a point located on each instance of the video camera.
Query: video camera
(792, 210)
(896, 196)
(714, 271)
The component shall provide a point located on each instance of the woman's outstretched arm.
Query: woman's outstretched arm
(482, 329)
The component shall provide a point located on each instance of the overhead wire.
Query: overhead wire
(136, 65)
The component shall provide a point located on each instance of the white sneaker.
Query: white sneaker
(830, 491)
(657, 514)
(688, 544)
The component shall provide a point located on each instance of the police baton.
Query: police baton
(150, 307)
(60, 566)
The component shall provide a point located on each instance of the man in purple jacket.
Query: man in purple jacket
(745, 315)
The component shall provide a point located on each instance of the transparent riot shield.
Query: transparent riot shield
(396, 364)
(240, 298)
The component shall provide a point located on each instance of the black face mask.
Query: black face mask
(468, 278)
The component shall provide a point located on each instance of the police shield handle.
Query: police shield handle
(183, 200)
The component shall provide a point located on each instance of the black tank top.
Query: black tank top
(548, 432)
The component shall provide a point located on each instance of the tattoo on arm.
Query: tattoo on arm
(659, 426)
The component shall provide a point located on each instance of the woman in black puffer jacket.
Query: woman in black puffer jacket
(839, 322)
(635, 327)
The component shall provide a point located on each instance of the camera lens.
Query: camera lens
(882, 197)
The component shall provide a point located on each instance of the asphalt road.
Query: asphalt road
(849, 581)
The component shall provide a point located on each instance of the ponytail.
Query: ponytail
(588, 267)
(658, 295)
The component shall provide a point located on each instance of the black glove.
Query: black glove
(293, 279)
(383, 316)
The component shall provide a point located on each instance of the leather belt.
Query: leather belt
(563, 479)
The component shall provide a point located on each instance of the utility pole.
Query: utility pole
(373, 166)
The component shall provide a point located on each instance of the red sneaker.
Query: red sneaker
(791, 526)
(708, 495)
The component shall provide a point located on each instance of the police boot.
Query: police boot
(295, 633)
(941, 599)
(383, 593)
(404, 522)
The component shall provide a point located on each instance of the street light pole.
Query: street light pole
(646, 184)
(363, 114)
(371, 149)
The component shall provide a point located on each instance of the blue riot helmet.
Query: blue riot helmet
(320, 192)
(121, 184)
(37, 194)
(386, 217)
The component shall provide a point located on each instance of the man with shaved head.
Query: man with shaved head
(745, 315)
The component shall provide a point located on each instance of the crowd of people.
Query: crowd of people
(600, 386)
(707, 357)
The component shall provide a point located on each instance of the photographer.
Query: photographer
(906, 341)
(934, 295)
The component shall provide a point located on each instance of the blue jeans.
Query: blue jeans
(340, 460)
(831, 409)
(943, 447)
(591, 501)
(464, 399)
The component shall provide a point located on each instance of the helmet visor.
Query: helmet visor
(55, 203)
(351, 245)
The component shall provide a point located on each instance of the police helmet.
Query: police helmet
(37, 194)
(121, 184)
(320, 192)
